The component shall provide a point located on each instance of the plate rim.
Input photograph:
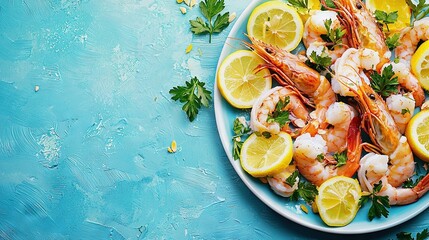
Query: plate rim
(220, 124)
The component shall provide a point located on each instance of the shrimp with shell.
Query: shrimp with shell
(290, 70)
(386, 138)
(362, 29)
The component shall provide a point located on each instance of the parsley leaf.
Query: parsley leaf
(319, 62)
(211, 10)
(407, 236)
(341, 158)
(320, 157)
(385, 84)
(299, 3)
(423, 234)
(409, 183)
(405, 111)
(379, 204)
(306, 190)
(240, 129)
(292, 178)
(393, 41)
(279, 115)
(333, 36)
(237, 144)
(194, 94)
(404, 236)
(329, 4)
(386, 18)
(418, 11)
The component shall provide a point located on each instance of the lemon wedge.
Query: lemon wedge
(417, 133)
(276, 23)
(338, 200)
(420, 65)
(261, 156)
(237, 81)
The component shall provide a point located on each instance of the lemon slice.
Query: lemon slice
(420, 65)
(417, 133)
(338, 200)
(261, 156)
(305, 13)
(404, 12)
(276, 23)
(237, 81)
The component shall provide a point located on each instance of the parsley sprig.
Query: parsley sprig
(386, 18)
(240, 129)
(385, 84)
(393, 41)
(418, 11)
(306, 190)
(333, 36)
(211, 10)
(407, 235)
(194, 94)
(319, 62)
(379, 204)
(299, 3)
(341, 158)
(279, 115)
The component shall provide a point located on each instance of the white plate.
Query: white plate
(225, 115)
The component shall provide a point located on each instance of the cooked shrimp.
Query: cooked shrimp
(339, 117)
(348, 70)
(401, 107)
(384, 134)
(362, 28)
(374, 168)
(314, 28)
(410, 38)
(278, 182)
(290, 70)
(316, 163)
(408, 81)
(266, 105)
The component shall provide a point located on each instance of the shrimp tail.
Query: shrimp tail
(422, 187)
(354, 146)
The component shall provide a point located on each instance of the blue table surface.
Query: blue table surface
(85, 156)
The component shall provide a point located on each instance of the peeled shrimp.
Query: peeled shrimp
(266, 105)
(348, 70)
(410, 38)
(314, 28)
(278, 182)
(374, 168)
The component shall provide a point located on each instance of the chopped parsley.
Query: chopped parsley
(240, 129)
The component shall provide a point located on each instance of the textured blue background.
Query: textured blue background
(86, 156)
